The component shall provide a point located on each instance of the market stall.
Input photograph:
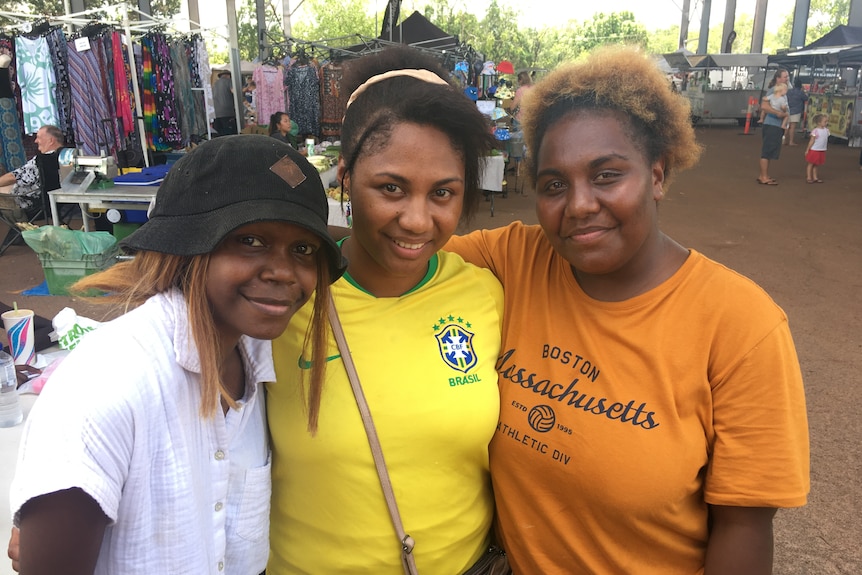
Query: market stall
(830, 69)
(722, 86)
(114, 87)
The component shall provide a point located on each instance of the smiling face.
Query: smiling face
(407, 199)
(597, 198)
(257, 278)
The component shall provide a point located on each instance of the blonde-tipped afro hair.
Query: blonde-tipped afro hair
(622, 81)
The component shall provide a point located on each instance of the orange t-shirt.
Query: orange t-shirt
(621, 421)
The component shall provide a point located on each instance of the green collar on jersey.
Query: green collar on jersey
(433, 263)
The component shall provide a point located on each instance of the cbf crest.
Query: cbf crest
(456, 347)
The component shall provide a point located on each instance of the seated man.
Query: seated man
(27, 181)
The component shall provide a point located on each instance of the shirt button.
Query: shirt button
(218, 506)
(219, 455)
(221, 565)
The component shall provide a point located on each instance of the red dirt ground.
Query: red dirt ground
(800, 242)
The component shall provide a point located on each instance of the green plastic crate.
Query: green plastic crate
(121, 230)
(60, 273)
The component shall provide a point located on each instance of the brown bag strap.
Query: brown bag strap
(406, 542)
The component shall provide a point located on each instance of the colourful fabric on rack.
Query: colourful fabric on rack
(303, 89)
(197, 120)
(333, 101)
(133, 155)
(11, 148)
(205, 72)
(89, 104)
(147, 90)
(270, 93)
(63, 94)
(166, 134)
(122, 94)
(7, 46)
(36, 78)
(104, 48)
(183, 89)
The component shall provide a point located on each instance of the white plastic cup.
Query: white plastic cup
(19, 332)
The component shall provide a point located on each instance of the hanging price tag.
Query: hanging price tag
(82, 44)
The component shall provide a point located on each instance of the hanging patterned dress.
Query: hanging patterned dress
(122, 86)
(303, 88)
(12, 153)
(205, 72)
(333, 101)
(160, 107)
(270, 93)
(104, 48)
(198, 123)
(63, 94)
(37, 82)
(90, 106)
(183, 89)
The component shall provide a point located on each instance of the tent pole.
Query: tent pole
(233, 54)
(139, 111)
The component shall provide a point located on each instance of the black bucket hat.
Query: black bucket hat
(229, 182)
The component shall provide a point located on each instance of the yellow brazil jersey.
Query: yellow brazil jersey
(426, 362)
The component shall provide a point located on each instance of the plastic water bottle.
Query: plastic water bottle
(10, 407)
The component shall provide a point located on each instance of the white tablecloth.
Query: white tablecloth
(337, 215)
(492, 176)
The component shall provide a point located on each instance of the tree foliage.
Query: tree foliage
(343, 19)
(613, 28)
(823, 16)
(497, 35)
(160, 8)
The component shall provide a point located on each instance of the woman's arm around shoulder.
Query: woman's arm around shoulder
(61, 532)
(740, 541)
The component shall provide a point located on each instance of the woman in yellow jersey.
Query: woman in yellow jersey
(424, 331)
(652, 409)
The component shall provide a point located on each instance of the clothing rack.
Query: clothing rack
(117, 15)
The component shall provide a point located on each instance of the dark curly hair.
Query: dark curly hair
(371, 118)
(621, 81)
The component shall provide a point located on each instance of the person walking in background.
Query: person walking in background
(525, 82)
(815, 153)
(772, 130)
(640, 431)
(159, 461)
(797, 102)
(225, 107)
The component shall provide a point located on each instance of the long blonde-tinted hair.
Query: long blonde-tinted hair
(129, 284)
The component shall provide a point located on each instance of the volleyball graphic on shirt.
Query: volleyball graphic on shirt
(542, 418)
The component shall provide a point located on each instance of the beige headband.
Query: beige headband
(424, 75)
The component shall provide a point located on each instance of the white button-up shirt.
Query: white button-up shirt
(120, 419)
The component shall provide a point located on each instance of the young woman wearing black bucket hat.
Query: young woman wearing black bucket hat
(148, 447)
